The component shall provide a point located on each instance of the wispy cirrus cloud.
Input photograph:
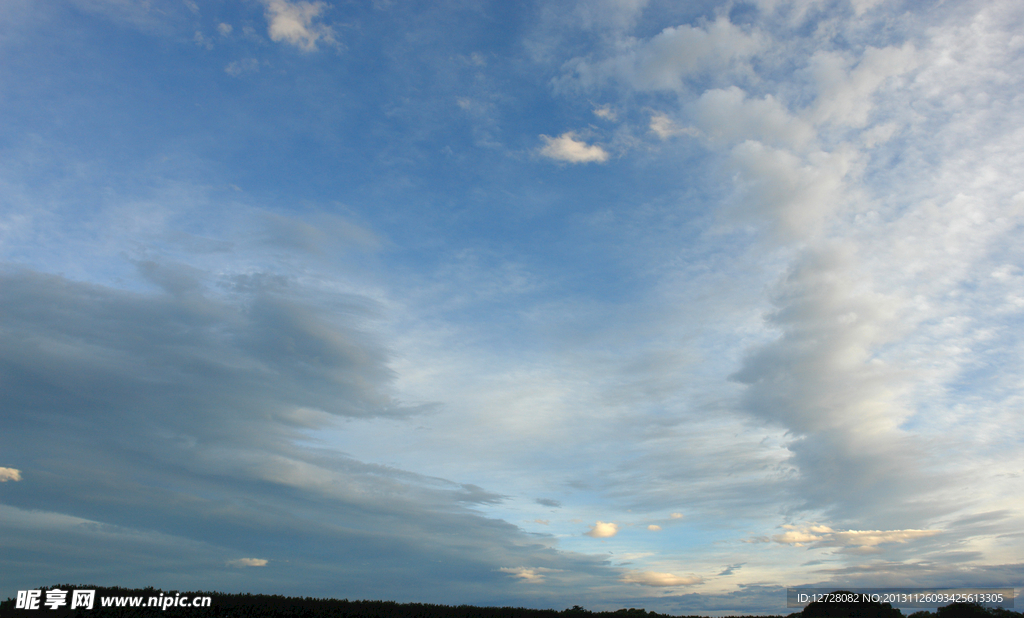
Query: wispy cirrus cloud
(528, 574)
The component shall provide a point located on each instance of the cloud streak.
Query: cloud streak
(659, 580)
(824, 536)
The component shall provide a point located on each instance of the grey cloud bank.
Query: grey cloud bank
(165, 424)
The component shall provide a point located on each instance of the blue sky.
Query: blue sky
(620, 303)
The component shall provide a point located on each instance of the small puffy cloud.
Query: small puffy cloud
(295, 23)
(602, 530)
(652, 578)
(248, 562)
(224, 29)
(654, 527)
(9, 474)
(566, 147)
(676, 516)
(605, 112)
(796, 537)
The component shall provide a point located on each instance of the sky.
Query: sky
(611, 303)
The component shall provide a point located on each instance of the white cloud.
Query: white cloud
(824, 536)
(9, 474)
(664, 127)
(248, 562)
(605, 112)
(654, 527)
(224, 29)
(728, 115)
(793, 194)
(665, 61)
(652, 578)
(870, 538)
(824, 380)
(239, 67)
(566, 147)
(797, 537)
(202, 41)
(878, 134)
(676, 516)
(845, 96)
(295, 23)
(603, 530)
